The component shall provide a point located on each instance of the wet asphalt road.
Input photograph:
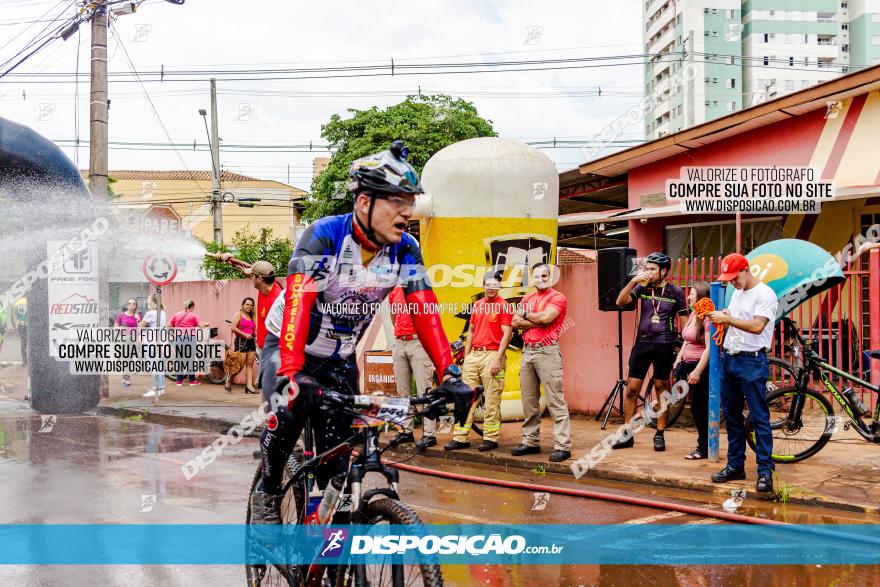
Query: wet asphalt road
(90, 469)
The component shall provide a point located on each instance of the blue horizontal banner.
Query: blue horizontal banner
(643, 544)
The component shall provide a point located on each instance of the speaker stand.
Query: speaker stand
(619, 389)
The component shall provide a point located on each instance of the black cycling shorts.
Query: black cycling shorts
(659, 355)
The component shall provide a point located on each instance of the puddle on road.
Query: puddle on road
(94, 469)
(36, 439)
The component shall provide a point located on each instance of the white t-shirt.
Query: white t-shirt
(275, 316)
(150, 319)
(745, 305)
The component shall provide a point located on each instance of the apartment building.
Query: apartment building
(864, 32)
(792, 45)
(699, 36)
(747, 52)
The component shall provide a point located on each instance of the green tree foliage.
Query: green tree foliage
(249, 246)
(425, 123)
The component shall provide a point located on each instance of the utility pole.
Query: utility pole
(216, 191)
(98, 110)
(99, 154)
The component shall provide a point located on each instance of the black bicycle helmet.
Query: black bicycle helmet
(381, 175)
(660, 259)
(384, 173)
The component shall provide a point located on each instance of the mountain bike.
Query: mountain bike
(381, 505)
(802, 419)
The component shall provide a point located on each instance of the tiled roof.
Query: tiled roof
(147, 175)
(574, 256)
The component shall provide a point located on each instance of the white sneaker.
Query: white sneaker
(151, 393)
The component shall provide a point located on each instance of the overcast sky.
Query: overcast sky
(251, 34)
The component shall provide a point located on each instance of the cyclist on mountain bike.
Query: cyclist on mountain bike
(343, 267)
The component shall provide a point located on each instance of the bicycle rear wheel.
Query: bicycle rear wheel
(216, 374)
(427, 573)
(293, 502)
(796, 439)
(651, 405)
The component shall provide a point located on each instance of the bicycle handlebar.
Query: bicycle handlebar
(792, 327)
(345, 399)
(435, 402)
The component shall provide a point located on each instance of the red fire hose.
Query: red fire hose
(640, 501)
(651, 503)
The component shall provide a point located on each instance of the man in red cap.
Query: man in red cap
(748, 322)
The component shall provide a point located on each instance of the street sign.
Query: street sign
(160, 269)
(161, 221)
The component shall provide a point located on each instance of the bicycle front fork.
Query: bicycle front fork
(356, 476)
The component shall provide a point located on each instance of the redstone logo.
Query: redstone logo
(73, 305)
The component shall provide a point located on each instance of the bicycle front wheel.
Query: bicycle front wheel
(390, 511)
(478, 415)
(293, 506)
(782, 374)
(796, 438)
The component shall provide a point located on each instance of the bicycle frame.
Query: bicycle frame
(819, 368)
(367, 461)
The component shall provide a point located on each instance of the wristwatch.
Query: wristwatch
(522, 312)
(453, 370)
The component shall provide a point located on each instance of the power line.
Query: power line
(21, 32)
(374, 70)
(149, 100)
(39, 41)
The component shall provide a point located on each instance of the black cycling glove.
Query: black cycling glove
(460, 394)
(305, 392)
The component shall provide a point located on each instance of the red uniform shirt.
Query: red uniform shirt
(538, 301)
(264, 302)
(487, 318)
(403, 324)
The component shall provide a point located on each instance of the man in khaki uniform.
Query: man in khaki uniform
(541, 317)
(484, 363)
(410, 360)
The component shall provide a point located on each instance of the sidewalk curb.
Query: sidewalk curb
(222, 426)
(635, 478)
(217, 425)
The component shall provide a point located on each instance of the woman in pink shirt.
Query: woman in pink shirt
(186, 320)
(128, 318)
(244, 327)
(691, 364)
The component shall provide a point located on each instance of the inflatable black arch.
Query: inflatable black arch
(28, 159)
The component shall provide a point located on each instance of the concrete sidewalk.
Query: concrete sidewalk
(844, 475)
